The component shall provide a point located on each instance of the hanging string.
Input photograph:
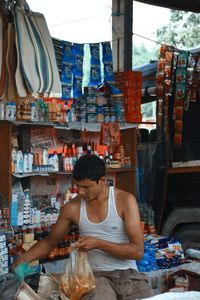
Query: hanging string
(121, 38)
(146, 38)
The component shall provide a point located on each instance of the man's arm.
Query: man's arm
(132, 250)
(43, 247)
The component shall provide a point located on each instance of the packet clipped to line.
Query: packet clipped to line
(78, 279)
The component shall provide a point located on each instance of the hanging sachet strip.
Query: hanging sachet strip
(67, 69)
(164, 89)
(95, 69)
(193, 72)
(180, 95)
(78, 53)
(108, 62)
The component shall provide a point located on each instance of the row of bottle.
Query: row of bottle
(37, 110)
(26, 162)
(48, 161)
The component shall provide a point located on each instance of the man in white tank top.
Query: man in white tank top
(110, 232)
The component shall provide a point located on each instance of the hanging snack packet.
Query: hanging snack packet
(66, 89)
(66, 69)
(77, 86)
(94, 52)
(108, 62)
(95, 70)
(95, 75)
(182, 59)
(78, 53)
(67, 50)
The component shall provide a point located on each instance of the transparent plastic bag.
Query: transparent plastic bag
(78, 279)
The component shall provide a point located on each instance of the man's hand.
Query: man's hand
(86, 243)
(18, 261)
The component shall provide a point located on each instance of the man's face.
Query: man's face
(89, 189)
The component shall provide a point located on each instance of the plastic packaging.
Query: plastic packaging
(194, 253)
(79, 279)
(22, 270)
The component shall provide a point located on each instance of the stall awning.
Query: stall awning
(192, 5)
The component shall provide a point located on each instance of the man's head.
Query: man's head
(89, 167)
(89, 175)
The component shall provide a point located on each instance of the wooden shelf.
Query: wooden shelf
(183, 170)
(108, 170)
(19, 175)
(81, 126)
(119, 170)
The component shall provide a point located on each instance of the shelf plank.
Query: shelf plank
(108, 170)
(81, 126)
(119, 170)
(179, 170)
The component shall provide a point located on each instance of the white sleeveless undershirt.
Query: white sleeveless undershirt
(110, 229)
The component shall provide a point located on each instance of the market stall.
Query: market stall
(48, 120)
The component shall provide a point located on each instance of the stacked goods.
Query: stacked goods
(130, 82)
(160, 253)
(3, 255)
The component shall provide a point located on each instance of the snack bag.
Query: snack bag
(78, 279)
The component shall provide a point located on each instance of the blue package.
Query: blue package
(94, 52)
(77, 86)
(67, 71)
(78, 53)
(95, 75)
(66, 89)
(108, 62)
(67, 50)
(107, 51)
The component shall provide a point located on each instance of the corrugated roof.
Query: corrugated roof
(186, 5)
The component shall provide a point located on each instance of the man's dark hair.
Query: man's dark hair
(89, 167)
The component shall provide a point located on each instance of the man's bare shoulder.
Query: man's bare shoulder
(124, 196)
(125, 202)
(72, 208)
(73, 203)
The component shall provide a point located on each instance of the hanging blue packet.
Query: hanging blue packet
(108, 62)
(78, 53)
(95, 70)
(95, 75)
(77, 86)
(66, 89)
(94, 52)
(67, 61)
(67, 71)
(67, 51)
